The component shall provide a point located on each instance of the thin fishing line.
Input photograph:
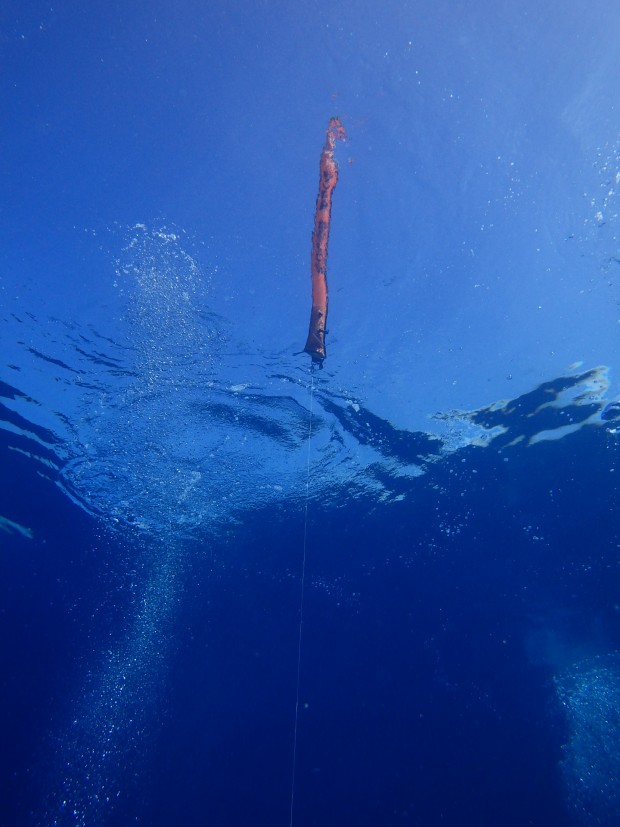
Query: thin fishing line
(301, 598)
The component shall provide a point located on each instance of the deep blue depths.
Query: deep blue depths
(424, 702)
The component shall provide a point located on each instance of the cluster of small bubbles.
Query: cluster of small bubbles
(603, 205)
(337, 589)
(449, 529)
(138, 467)
(145, 444)
(108, 737)
(589, 694)
(166, 288)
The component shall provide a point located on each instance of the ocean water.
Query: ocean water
(239, 589)
(460, 592)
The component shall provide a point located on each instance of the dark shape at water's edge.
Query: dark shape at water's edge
(611, 413)
(9, 392)
(369, 429)
(23, 426)
(566, 401)
(543, 409)
(58, 362)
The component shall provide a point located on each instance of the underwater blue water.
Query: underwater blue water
(174, 477)
(446, 633)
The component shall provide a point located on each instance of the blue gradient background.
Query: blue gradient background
(159, 171)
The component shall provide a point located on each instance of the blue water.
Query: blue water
(444, 626)
(175, 479)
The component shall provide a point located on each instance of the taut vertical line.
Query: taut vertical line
(301, 598)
